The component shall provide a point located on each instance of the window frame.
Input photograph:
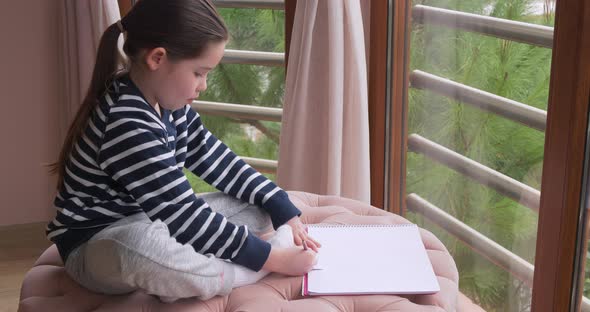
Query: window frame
(125, 6)
(562, 195)
(561, 191)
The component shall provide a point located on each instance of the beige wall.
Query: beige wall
(28, 98)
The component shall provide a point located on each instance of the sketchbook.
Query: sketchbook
(369, 259)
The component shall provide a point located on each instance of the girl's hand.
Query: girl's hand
(300, 234)
(291, 261)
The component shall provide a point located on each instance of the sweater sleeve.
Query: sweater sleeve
(135, 154)
(214, 162)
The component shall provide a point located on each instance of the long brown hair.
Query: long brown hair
(183, 27)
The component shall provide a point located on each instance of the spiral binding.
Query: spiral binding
(329, 225)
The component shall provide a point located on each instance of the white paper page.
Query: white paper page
(371, 260)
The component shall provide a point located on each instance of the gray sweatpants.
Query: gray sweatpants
(136, 253)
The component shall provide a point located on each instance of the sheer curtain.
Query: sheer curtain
(82, 23)
(325, 129)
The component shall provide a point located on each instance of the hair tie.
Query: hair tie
(120, 25)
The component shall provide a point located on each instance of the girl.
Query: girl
(127, 218)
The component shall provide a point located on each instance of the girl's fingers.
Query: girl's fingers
(312, 245)
(309, 244)
(298, 239)
(310, 239)
(301, 235)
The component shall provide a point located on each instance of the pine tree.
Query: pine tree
(513, 70)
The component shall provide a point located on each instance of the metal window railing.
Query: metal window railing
(263, 165)
(488, 248)
(251, 4)
(502, 28)
(515, 111)
(532, 117)
(239, 111)
(253, 58)
(505, 185)
(512, 110)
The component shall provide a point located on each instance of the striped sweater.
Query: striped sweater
(130, 159)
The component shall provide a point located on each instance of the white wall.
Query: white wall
(29, 93)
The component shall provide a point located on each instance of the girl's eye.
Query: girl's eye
(198, 75)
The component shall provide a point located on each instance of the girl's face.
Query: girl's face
(180, 82)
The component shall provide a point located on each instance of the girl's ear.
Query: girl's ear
(155, 57)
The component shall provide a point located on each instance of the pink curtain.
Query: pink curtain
(325, 128)
(82, 23)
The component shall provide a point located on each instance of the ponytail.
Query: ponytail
(107, 61)
(184, 28)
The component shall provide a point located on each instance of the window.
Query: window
(466, 96)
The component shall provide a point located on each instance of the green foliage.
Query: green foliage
(199, 186)
(513, 70)
(255, 30)
(265, 149)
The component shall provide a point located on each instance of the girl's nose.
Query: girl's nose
(202, 86)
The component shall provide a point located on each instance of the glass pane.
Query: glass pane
(539, 12)
(583, 263)
(246, 85)
(255, 29)
(252, 30)
(496, 208)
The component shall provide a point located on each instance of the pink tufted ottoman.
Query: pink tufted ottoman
(46, 286)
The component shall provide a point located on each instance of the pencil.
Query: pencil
(304, 245)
